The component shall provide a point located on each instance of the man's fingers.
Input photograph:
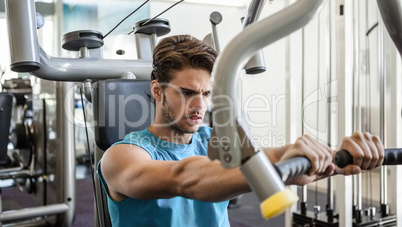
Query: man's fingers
(320, 156)
(364, 142)
(354, 149)
(303, 145)
(373, 149)
(380, 148)
(367, 150)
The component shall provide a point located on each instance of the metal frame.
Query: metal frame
(230, 62)
(43, 8)
(391, 69)
(293, 102)
(233, 57)
(21, 21)
(59, 175)
(346, 64)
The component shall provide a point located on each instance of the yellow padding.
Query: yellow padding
(278, 203)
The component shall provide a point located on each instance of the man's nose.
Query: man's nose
(199, 102)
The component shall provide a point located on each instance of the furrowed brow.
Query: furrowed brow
(183, 89)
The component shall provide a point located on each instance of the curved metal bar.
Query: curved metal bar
(33, 212)
(257, 62)
(391, 12)
(253, 12)
(80, 69)
(20, 166)
(27, 56)
(233, 58)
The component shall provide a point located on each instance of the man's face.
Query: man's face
(186, 99)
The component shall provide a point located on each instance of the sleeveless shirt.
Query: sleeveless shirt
(177, 211)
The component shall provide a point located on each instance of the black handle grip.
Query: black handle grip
(343, 158)
(292, 168)
(392, 156)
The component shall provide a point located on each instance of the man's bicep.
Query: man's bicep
(120, 163)
(129, 170)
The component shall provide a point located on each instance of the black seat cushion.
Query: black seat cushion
(6, 102)
(120, 106)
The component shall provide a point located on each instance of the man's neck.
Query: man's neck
(170, 134)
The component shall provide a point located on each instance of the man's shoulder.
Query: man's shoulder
(204, 132)
(134, 137)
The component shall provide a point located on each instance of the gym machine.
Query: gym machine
(27, 56)
(387, 213)
(227, 114)
(49, 138)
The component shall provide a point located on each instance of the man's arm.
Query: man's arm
(130, 171)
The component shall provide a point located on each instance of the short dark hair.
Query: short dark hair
(179, 52)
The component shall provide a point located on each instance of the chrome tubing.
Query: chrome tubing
(253, 12)
(257, 63)
(80, 69)
(232, 60)
(27, 56)
(391, 13)
(33, 212)
(23, 39)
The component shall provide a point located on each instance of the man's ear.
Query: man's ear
(156, 90)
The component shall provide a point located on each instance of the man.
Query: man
(161, 176)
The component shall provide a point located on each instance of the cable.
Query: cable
(318, 107)
(89, 153)
(126, 18)
(146, 22)
(316, 194)
(369, 182)
(371, 29)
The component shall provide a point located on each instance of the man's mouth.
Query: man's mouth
(195, 119)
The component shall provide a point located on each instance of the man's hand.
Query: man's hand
(320, 156)
(367, 152)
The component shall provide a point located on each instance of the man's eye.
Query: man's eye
(187, 93)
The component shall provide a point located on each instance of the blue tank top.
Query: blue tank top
(177, 211)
